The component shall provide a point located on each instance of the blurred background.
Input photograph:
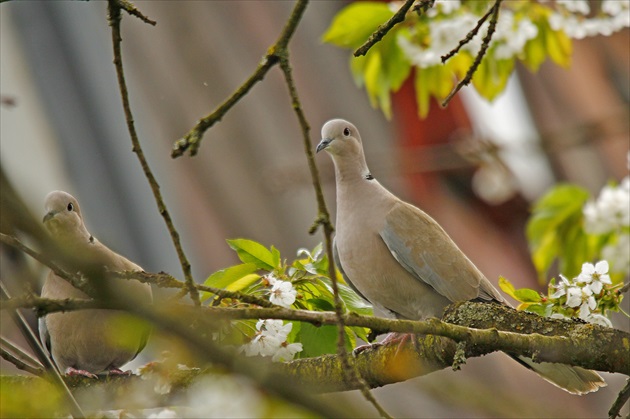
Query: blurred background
(473, 166)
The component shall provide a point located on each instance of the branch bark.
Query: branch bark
(484, 328)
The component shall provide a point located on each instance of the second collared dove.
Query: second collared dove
(400, 259)
(87, 342)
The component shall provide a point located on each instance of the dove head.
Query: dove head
(340, 137)
(63, 217)
(342, 141)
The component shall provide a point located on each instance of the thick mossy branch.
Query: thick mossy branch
(484, 327)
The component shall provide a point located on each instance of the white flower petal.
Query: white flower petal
(601, 267)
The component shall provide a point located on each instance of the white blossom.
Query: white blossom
(562, 287)
(610, 211)
(286, 352)
(271, 340)
(222, 396)
(447, 6)
(275, 328)
(263, 345)
(618, 254)
(582, 297)
(595, 275)
(164, 414)
(575, 6)
(271, 278)
(445, 35)
(615, 7)
(559, 316)
(599, 319)
(282, 293)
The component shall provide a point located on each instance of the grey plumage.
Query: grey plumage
(87, 342)
(401, 260)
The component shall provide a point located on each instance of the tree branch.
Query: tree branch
(482, 52)
(382, 30)
(114, 21)
(20, 363)
(75, 279)
(484, 327)
(192, 140)
(621, 400)
(133, 11)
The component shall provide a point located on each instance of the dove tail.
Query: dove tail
(575, 380)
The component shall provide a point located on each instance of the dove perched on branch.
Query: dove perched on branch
(400, 259)
(88, 342)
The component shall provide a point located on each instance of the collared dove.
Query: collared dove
(86, 342)
(400, 259)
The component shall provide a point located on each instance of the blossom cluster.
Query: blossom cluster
(571, 17)
(282, 292)
(610, 213)
(581, 294)
(271, 340)
(450, 22)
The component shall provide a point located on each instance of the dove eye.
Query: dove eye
(346, 132)
(70, 206)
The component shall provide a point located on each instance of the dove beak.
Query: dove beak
(48, 216)
(325, 142)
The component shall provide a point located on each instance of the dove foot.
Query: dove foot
(73, 372)
(356, 351)
(117, 371)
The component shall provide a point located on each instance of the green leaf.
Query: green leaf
(423, 91)
(535, 51)
(507, 287)
(559, 47)
(243, 282)
(527, 295)
(275, 253)
(540, 309)
(321, 304)
(492, 76)
(352, 26)
(555, 230)
(317, 341)
(350, 298)
(226, 277)
(396, 65)
(250, 251)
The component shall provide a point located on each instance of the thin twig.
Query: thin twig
(20, 364)
(21, 354)
(192, 140)
(133, 10)
(164, 280)
(114, 21)
(382, 30)
(469, 36)
(349, 370)
(43, 356)
(482, 52)
(76, 280)
(161, 279)
(620, 401)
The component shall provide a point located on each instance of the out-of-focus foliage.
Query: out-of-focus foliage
(528, 31)
(568, 229)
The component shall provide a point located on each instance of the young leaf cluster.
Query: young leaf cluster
(264, 273)
(441, 44)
